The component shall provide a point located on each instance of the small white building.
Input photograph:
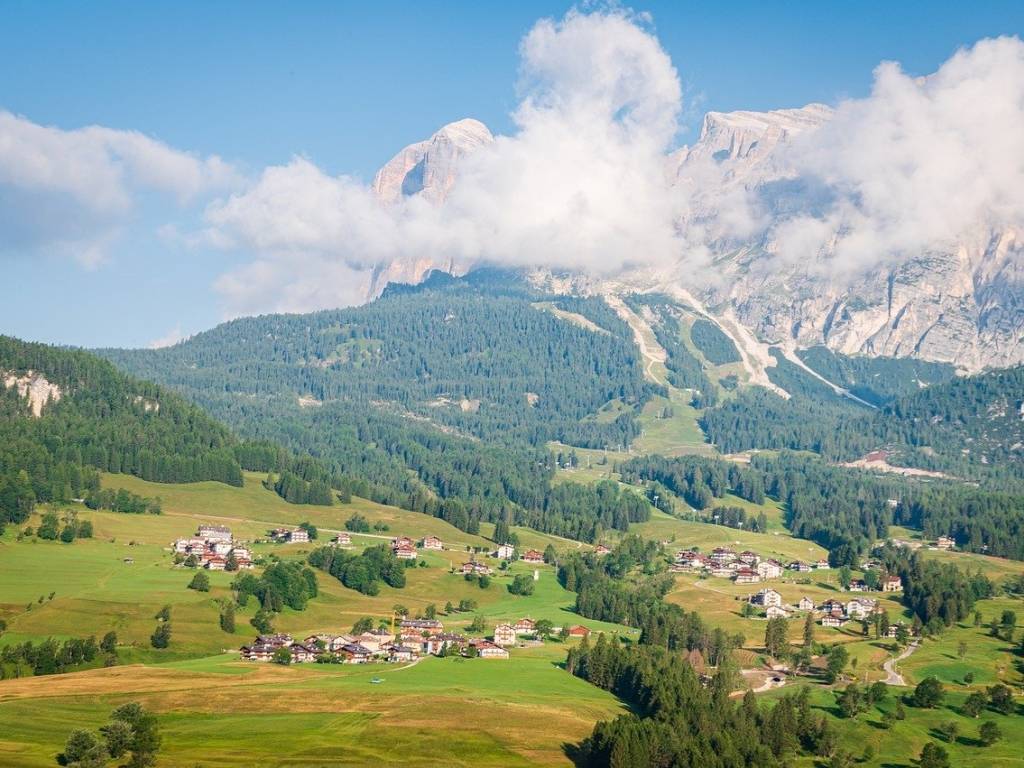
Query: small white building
(505, 552)
(769, 569)
(805, 604)
(776, 612)
(504, 634)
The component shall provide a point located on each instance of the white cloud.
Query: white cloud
(579, 185)
(71, 190)
(581, 182)
(921, 163)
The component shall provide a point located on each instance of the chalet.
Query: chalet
(832, 620)
(769, 569)
(505, 552)
(722, 556)
(860, 608)
(833, 606)
(945, 542)
(301, 654)
(693, 561)
(215, 563)
(478, 569)
(800, 566)
(355, 653)
(258, 652)
(749, 558)
(329, 643)
(805, 604)
(486, 650)
(341, 540)
(190, 546)
(504, 634)
(776, 612)
(214, 533)
(723, 571)
(747, 576)
(600, 550)
(383, 636)
(525, 627)
(370, 642)
(892, 584)
(578, 630)
(894, 629)
(533, 556)
(404, 553)
(767, 597)
(822, 565)
(430, 626)
(398, 653)
(402, 541)
(431, 542)
(858, 585)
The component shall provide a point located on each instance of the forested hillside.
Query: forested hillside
(95, 418)
(970, 427)
(439, 398)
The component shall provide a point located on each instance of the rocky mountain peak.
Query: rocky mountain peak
(428, 168)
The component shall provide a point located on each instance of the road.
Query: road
(892, 676)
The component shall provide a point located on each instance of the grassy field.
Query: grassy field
(223, 712)
(899, 747)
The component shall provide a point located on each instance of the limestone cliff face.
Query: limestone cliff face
(961, 302)
(428, 168)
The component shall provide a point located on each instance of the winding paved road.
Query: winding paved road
(892, 676)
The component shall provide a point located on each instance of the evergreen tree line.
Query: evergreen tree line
(51, 657)
(681, 722)
(939, 594)
(697, 480)
(362, 572)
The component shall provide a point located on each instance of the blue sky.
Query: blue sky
(346, 85)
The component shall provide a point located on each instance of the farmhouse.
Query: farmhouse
(945, 542)
(747, 576)
(892, 584)
(504, 634)
(402, 541)
(355, 653)
(486, 650)
(533, 556)
(833, 606)
(478, 569)
(432, 542)
(404, 553)
(722, 556)
(749, 558)
(776, 612)
(832, 620)
(578, 630)
(805, 604)
(505, 552)
(401, 653)
(822, 565)
(215, 562)
(525, 627)
(601, 550)
(800, 566)
(767, 597)
(769, 569)
(858, 585)
(341, 540)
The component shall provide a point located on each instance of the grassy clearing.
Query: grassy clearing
(677, 435)
(686, 533)
(441, 711)
(212, 501)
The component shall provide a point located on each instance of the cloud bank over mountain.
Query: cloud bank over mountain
(589, 180)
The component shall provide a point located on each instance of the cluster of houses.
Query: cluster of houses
(412, 639)
(404, 548)
(290, 535)
(832, 612)
(213, 547)
(742, 567)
